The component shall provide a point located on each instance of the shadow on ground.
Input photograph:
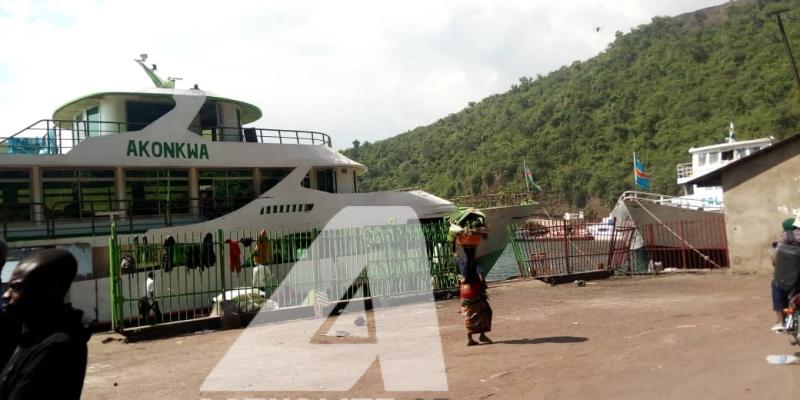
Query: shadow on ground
(552, 339)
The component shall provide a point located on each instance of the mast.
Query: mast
(777, 15)
(151, 73)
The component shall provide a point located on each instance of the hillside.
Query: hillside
(658, 90)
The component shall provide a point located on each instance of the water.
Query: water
(505, 267)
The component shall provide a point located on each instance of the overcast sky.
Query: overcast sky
(362, 70)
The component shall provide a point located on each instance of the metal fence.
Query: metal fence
(165, 279)
(687, 244)
(551, 248)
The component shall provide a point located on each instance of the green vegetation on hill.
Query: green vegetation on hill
(660, 89)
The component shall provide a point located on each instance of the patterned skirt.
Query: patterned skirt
(477, 314)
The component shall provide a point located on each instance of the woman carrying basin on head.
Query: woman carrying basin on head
(474, 300)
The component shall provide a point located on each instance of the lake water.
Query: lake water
(505, 267)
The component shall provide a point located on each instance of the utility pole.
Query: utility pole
(777, 15)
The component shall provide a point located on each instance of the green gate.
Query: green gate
(164, 279)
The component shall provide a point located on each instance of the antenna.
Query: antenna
(777, 15)
(731, 133)
(151, 73)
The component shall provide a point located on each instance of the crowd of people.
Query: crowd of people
(42, 339)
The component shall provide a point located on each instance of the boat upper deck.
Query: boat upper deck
(52, 137)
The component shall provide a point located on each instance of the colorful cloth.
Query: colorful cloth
(235, 259)
(263, 249)
(475, 308)
(477, 315)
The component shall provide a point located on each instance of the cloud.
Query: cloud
(354, 69)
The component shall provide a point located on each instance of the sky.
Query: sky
(363, 70)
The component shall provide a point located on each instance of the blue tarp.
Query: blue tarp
(43, 145)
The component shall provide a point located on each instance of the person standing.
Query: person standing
(50, 360)
(9, 328)
(472, 291)
(786, 260)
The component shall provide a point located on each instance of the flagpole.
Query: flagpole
(525, 176)
(635, 184)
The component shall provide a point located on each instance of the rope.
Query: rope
(705, 257)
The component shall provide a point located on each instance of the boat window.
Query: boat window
(308, 207)
(272, 176)
(274, 209)
(231, 188)
(701, 159)
(326, 180)
(140, 113)
(93, 117)
(713, 158)
(727, 155)
(81, 193)
(294, 207)
(153, 192)
(15, 195)
(306, 183)
(206, 122)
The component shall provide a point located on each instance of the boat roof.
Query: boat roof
(714, 178)
(249, 112)
(732, 145)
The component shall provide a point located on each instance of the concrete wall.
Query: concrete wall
(759, 195)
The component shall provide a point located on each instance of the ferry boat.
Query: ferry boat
(162, 161)
(695, 204)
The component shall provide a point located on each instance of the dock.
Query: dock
(653, 337)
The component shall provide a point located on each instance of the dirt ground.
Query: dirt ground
(685, 336)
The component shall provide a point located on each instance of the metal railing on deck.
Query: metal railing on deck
(493, 200)
(51, 137)
(674, 201)
(164, 279)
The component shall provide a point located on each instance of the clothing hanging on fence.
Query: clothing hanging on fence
(235, 260)
(263, 249)
(207, 257)
(193, 257)
(168, 259)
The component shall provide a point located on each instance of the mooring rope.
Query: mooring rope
(705, 257)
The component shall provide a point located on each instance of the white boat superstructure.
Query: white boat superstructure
(163, 161)
(710, 158)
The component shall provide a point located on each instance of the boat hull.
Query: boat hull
(666, 226)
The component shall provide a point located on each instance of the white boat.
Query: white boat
(164, 161)
(695, 204)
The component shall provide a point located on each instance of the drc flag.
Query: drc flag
(642, 177)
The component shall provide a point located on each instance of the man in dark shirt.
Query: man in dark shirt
(50, 360)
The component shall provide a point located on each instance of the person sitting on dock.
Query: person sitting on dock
(50, 360)
(786, 260)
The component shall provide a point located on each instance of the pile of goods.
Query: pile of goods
(467, 226)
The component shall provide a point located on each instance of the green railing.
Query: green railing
(157, 279)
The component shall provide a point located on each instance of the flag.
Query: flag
(529, 178)
(642, 178)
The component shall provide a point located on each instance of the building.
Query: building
(760, 191)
